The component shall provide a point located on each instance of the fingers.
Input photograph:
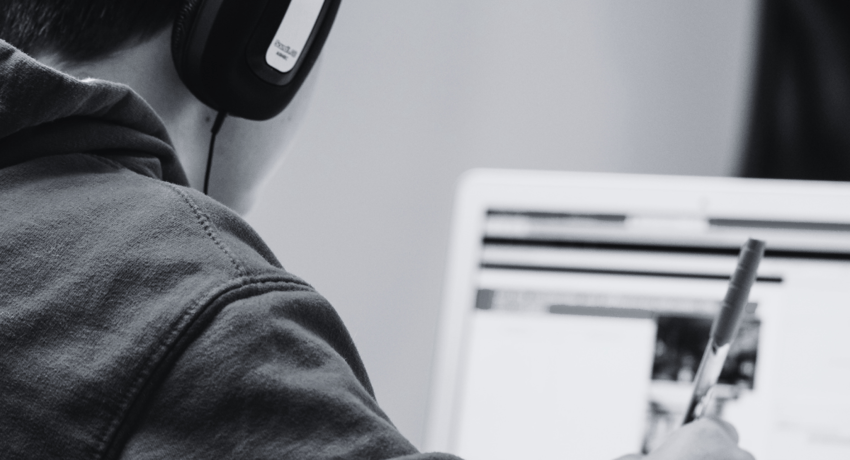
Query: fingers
(729, 429)
(708, 438)
(704, 439)
(723, 425)
(744, 455)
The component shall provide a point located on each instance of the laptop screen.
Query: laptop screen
(584, 320)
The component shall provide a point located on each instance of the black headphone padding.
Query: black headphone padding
(219, 50)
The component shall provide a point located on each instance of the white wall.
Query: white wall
(413, 93)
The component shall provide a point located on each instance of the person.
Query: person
(139, 317)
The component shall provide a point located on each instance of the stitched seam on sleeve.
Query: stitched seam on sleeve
(209, 229)
(172, 336)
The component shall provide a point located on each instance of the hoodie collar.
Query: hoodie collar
(45, 112)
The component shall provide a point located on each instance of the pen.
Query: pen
(725, 327)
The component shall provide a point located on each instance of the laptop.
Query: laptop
(577, 307)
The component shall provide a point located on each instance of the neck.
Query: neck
(147, 68)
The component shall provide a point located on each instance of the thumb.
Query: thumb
(630, 457)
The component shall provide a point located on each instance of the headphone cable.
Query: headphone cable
(219, 120)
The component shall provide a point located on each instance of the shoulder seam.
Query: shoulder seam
(209, 228)
(202, 218)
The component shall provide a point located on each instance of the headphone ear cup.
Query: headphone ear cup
(181, 30)
(220, 47)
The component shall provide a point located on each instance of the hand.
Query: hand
(704, 439)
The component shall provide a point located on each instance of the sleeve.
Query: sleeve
(275, 375)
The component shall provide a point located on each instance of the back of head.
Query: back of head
(180, 57)
(81, 31)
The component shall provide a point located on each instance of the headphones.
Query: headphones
(248, 58)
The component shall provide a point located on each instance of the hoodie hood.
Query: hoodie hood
(44, 112)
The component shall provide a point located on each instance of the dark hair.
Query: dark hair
(82, 30)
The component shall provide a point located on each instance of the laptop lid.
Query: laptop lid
(577, 307)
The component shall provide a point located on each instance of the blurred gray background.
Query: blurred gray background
(411, 94)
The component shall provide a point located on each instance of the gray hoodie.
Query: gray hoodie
(142, 319)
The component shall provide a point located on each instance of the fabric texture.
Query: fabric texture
(140, 319)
